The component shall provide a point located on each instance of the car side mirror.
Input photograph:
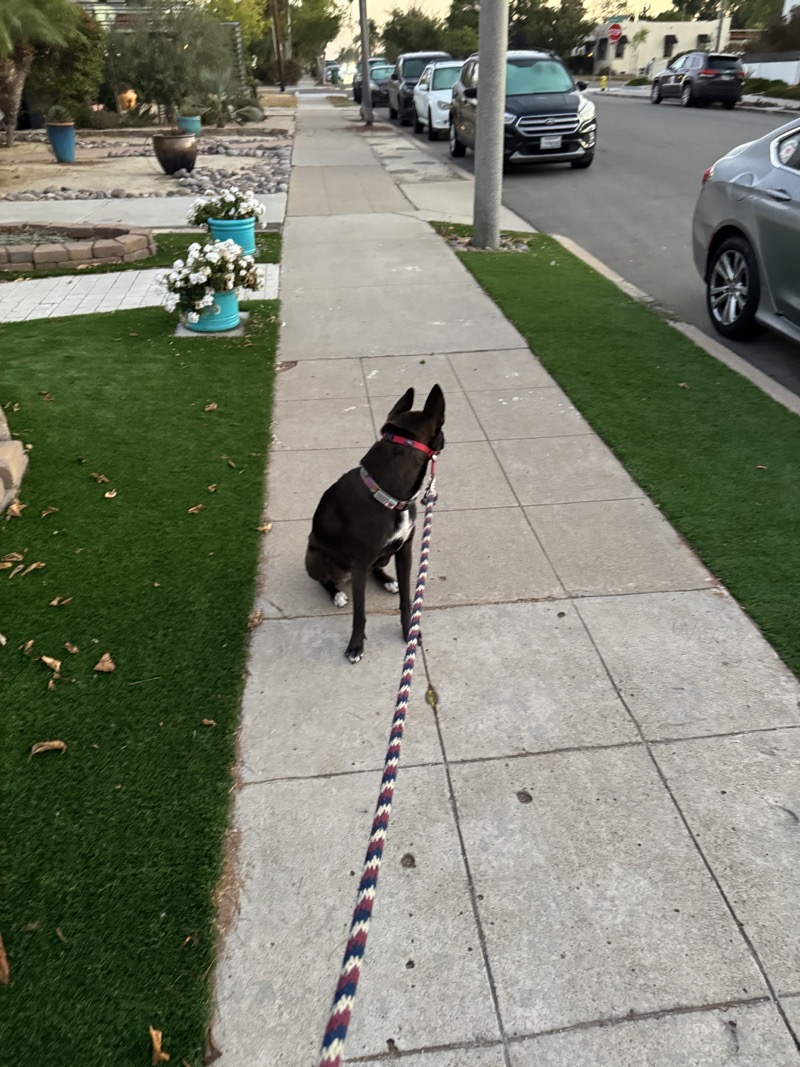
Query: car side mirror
(583, 86)
(471, 94)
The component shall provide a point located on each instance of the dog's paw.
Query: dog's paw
(354, 653)
(391, 587)
(340, 600)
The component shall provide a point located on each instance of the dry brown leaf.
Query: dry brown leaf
(158, 1055)
(34, 567)
(255, 619)
(51, 682)
(208, 722)
(26, 648)
(60, 935)
(211, 488)
(13, 557)
(4, 973)
(761, 467)
(110, 494)
(5, 566)
(265, 527)
(3, 640)
(196, 509)
(45, 395)
(73, 649)
(49, 511)
(16, 570)
(47, 746)
(105, 665)
(15, 509)
(683, 385)
(49, 661)
(210, 1051)
(100, 478)
(229, 461)
(15, 408)
(60, 601)
(212, 406)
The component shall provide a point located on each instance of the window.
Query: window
(722, 62)
(525, 77)
(469, 76)
(424, 79)
(669, 44)
(621, 47)
(412, 68)
(445, 77)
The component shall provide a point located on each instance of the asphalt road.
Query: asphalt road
(633, 208)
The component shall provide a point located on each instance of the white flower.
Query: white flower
(193, 317)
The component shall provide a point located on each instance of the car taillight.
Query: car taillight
(707, 73)
(739, 73)
(707, 174)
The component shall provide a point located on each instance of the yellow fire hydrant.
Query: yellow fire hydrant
(603, 82)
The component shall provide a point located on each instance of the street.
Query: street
(633, 208)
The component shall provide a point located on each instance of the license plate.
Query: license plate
(551, 142)
(727, 77)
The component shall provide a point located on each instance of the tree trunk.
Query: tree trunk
(14, 69)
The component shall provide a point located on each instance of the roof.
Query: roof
(523, 53)
(423, 55)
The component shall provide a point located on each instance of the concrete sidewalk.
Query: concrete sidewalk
(594, 846)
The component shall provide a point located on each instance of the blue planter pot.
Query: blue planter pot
(242, 231)
(222, 315)
(190, 123)
(62, 141)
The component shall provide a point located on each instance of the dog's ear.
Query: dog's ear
(434, 406)
(405, 403)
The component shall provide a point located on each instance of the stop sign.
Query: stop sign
(614, 32)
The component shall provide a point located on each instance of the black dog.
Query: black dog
(368, 515)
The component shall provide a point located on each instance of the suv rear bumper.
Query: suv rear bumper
(716, 90)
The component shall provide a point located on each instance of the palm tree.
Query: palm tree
(23, 25)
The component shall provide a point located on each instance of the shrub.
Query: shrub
(638, 81)
(72, 73)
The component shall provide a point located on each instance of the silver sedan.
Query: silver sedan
(746, 236)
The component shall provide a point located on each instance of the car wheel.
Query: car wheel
(457, 149)
(733, 288)
(433, 134)
(357, 95)
(403, 114)
(729, 105)
(417, 124)
(392, 112)
(687, 97)
(582, 164)
(655, 93)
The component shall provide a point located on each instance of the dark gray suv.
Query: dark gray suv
(405, 76)
(700, 78)
(547, 117)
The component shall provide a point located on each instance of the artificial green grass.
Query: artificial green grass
(112, 849)
(717, 455)
(169, 247)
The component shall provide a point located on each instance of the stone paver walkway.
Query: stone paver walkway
(42, 298)
(594, 845)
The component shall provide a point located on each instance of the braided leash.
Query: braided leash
(343, 999)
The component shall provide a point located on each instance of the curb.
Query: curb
(777, 392)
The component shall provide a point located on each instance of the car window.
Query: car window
(789, 151)
(525, 76)
(424, 79)
(412, 68)
(722, 62)
(382, 73)
(678, 64)
(468, 74)
(446, 77)
(696, 62)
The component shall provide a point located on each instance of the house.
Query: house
(646, 47)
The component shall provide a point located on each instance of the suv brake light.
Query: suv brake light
(707, 73)
(707, 173)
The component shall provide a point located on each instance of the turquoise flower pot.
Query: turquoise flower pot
(242, 231)
(190, 123)
(62, 140)
(222, 315)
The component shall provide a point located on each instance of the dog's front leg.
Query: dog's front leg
(355, 650)
(403, 560)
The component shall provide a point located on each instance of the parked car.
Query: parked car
(379, 78)
(746, 236)
(405, 76)
(547, 117)
(700, 78)
(375, 61)
(433, 95)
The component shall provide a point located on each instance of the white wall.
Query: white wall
(649, 55)
(785, 71)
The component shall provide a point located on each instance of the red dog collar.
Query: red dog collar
(396, 439)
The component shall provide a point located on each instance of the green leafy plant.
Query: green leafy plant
(224, 98)
(58, 115)
(70, 73)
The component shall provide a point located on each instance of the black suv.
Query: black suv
(700, 78)
(404, 77)
(548, 120)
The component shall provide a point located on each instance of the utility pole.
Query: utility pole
(366, 80)
(723, 8)
(493, 46)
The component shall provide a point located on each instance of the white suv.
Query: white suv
(433, 95)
